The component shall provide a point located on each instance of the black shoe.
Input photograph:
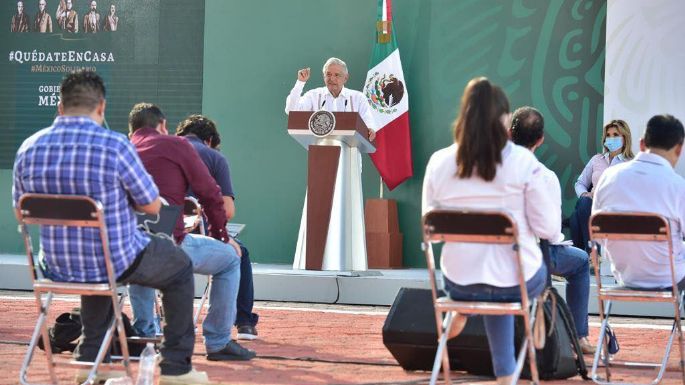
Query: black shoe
(247, 332)
(232, 352)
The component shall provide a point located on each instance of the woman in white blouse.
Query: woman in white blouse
(617, 148)
(483, 170)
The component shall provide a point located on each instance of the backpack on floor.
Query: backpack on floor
(561, 356)
(65, 333)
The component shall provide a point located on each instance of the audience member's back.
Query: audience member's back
(76, 156)
(648, 184)
(162, 150)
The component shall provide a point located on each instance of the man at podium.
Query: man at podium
(334, 97)
(332, 235)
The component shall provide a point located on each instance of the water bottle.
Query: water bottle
(146, 369)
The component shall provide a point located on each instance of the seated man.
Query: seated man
(175, 166)
(527, 130)
(77, 156)
(648, 183)
(201, 132)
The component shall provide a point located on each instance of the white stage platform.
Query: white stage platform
(276, 282)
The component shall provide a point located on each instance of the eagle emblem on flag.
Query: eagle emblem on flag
(384, 92)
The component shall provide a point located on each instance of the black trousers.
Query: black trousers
(245, 302)
(163, 266)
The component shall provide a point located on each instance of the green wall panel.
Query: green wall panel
(549, 54)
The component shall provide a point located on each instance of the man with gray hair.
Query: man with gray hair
(43, 21)
(20, 21)
(334, 97)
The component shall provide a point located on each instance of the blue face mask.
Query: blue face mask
(613, 144)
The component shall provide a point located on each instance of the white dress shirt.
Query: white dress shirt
(648, 184)
(518, 188)
(553, 188)
(321, 98)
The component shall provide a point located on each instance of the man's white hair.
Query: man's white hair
(336, 61)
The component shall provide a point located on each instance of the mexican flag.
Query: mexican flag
(386, 92)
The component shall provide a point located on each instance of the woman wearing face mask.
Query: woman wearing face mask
(617, 149)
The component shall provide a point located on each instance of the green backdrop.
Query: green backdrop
(545, 53)
(549, 54)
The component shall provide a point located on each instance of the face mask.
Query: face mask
(613, 144)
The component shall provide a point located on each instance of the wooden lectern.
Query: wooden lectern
(331, 235)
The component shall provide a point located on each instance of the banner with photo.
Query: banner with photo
(145, 51)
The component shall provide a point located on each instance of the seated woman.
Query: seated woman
(617, 149)
(483, 170)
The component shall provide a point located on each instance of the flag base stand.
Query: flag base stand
(383, 237)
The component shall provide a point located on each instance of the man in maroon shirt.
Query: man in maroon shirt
(175, 166)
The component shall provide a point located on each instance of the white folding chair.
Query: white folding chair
(69, 211)
(193, 222)
(632, 226)
(467, 226)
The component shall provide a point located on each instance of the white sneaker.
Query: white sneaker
(192, 377)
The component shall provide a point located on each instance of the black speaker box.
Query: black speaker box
(410, 334)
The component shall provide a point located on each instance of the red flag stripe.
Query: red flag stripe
(393, 152)
(388, 9)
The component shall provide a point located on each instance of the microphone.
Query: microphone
(345, 108)
(323, 104)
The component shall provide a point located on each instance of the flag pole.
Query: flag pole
(381, 179)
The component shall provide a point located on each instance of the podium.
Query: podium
(331, 235)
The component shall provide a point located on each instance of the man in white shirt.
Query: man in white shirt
(334, 97)
(648, 184)
(527, 130)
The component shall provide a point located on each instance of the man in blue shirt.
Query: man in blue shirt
(77, 156)
(201, 132)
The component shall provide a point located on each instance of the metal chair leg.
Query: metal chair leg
(527, 348)
(667, 353)
(39, 330)
(531, 345)
(679, 309)
(123, 342)
(602, 343)
(449, 323)
(441, 354)
(159, 315)
(203, 299)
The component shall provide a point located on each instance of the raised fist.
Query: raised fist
(303, 74)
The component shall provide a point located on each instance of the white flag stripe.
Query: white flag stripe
(391, 65)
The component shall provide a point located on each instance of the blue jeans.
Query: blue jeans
(245, 316)
(578, 223)
(211, 257)
(572, 263)
(499, 328)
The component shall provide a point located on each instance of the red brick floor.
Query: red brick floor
(308, 344)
